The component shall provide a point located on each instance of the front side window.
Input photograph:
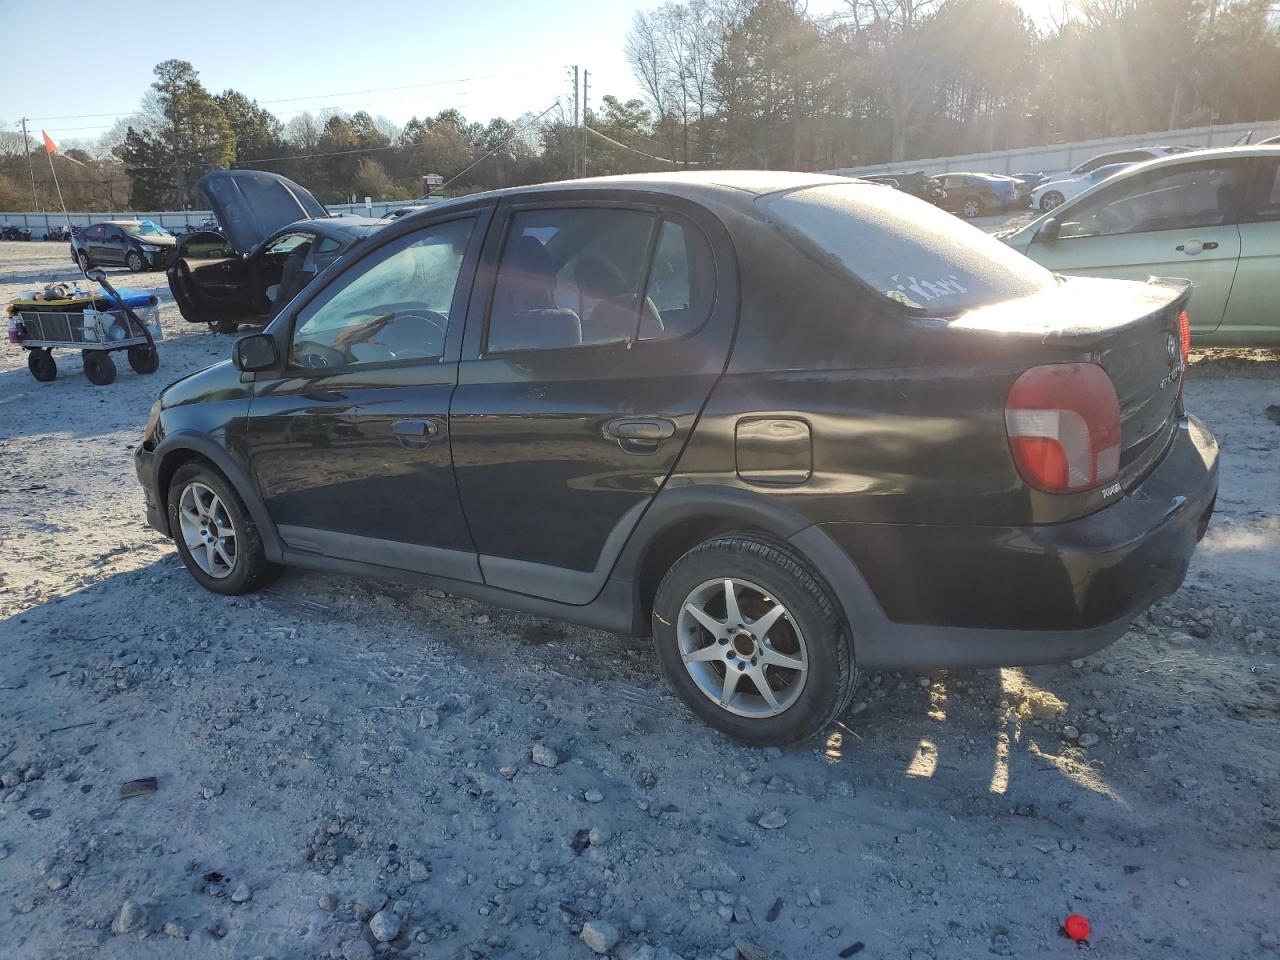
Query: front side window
(394, 307)
(1178, 198)
(289, 242)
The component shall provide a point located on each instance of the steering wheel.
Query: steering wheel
(412, 333)
(317, 356)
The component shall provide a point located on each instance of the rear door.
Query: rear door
(1253, 309)
(601, 330)
(349, 442)
(1173, 221)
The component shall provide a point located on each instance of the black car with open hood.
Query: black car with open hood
(276, 236)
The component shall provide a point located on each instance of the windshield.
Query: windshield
(147, 228)
(908, 250)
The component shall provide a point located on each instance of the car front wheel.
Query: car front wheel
(135, 262)
(85, 264)
(971, 209)
(1051, 200)
(217, 539)
(751, 639)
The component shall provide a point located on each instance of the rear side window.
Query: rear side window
(904, 248)
(578, 277)
(1264, 195)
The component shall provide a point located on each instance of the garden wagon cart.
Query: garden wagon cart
(94, 324)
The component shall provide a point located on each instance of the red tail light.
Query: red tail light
(1064, 427)
(1184, 330)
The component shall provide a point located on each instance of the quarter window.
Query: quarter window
(394, 308)
(587, 277)
(1180, 198)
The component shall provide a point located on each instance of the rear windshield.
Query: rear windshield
(908, 250)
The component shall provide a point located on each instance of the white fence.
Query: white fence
(1064, 156)
(175, 221)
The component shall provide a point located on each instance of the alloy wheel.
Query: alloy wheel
(742, 648)
(971, 208)
(207, 530)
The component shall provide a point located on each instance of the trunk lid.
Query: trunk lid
(1129, 329)
(251, 205)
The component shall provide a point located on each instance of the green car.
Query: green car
(1212, 217)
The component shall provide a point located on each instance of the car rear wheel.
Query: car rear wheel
(1051, 200)
(135, 262)
(750, 638)
(971, 209)
(216, 538)
(85, 264)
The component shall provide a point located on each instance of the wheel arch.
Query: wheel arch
(179, 449)
(683, 517)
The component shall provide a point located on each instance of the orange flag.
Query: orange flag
(49, 145)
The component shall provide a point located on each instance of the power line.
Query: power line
(674, 163)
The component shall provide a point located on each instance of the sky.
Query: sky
(396, 58)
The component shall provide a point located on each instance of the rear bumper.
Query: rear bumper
(960, 595)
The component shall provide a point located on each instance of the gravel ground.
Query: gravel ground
(347, 769)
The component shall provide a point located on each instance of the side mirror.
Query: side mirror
(1048, 231)
(254, 352)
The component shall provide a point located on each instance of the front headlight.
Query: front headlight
(149, 248)
(151, 433)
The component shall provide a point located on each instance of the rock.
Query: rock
(418, 871)
(600, 936)
(1070, 732)
(599, 836)
(173, 930)
(428, 719)
(241, 894)
(775, 819)
(1183, 882)
(543, 755)
(593, 796)
(4, 851)
(328, 902)
(132, 917)
(357, 950)
(1088, 740)
(211, 790)
(10, 778)
(385, 925)
(637, 923)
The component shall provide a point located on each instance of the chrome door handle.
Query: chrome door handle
(1192, 247)
(640, 434)
(415, 434)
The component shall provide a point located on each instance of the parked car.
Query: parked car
(1212, 216)
(137, 244)
(917, 184)
(1054, 193)
(791, 424)
(1032, 180)
(276, 237)
(11, 231)
(978, 194)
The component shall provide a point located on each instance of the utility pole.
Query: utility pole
(583, 133)
(576, 132)
(31, 170)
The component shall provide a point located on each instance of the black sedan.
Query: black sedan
(789, 425)
(979, 194)
(276, 237)
(136, 244)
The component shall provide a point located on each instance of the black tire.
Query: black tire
(99, 367)
(40, 363)
(144, 359)
(831, 676)
(1051, 200)
(85, 263)
(225, 326)
(251, 569)
(135, 262)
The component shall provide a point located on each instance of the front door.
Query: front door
(349, 443)
(1174, 221)
(601, 330)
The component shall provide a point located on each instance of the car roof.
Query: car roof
(1210, 153)
(742, 185)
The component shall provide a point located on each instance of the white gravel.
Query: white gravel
(948, 818)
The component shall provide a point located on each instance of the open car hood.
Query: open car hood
(251, 205)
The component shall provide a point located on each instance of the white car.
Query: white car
(1057, 192)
